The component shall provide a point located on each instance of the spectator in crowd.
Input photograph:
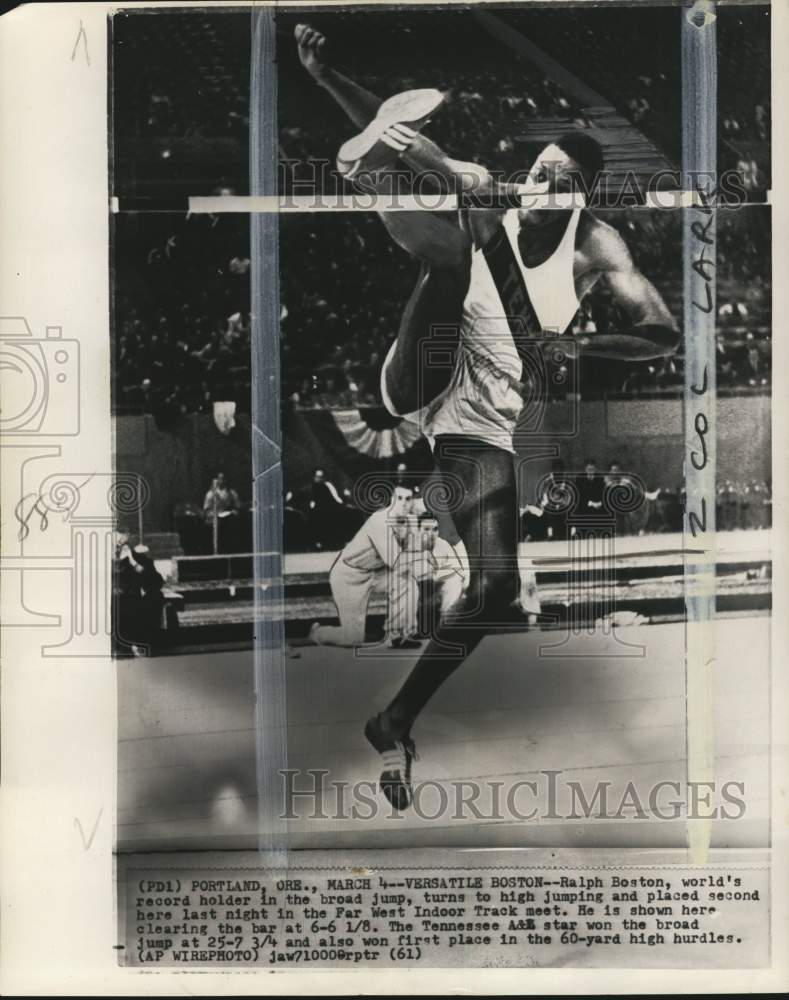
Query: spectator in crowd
(533, 528)
(755, 370)
(750, 173)
(221, 507)
(220, 498)
(731, 313)
(295, 530)
(547, 518)
(401, 474)
(667, 512)
(725, 363)
(194, 534)
(590, 488)
(555, 502)
(759, 514)
(761, 120)
(743, 505)
(727, 512)
(326, 512)
(140, 602)
(627, 522)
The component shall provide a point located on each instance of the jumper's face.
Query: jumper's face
(553, 172)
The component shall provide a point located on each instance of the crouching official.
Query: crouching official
(372, 561)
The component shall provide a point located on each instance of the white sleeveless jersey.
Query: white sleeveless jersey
(484, 397)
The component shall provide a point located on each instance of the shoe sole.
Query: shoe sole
(398, 795)
(397, 792)
(411, 107)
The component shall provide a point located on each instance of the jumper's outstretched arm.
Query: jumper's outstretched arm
(361, 106)
(654, 332)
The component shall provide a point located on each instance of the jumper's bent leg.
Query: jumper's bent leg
(408, 380)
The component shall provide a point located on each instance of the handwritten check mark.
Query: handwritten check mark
(86, 843)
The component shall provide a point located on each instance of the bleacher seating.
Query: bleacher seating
(181, 313)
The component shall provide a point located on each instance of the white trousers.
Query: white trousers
(352, 588)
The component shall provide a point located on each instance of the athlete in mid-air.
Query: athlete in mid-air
(500, 277)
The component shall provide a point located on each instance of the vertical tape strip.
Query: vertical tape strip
(699, 106)
(270, 693)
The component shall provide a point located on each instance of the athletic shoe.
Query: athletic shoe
(390, 133)
(404, 642)
(397, 753)
(312, 636)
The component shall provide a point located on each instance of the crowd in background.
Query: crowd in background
(188, 78)
(322, 515)
(182, 327)
(182, 333)
(492, 95)
(744, 107)
(180, 75)
(496, 94)
(643, 83)
(181, 310)
(346, 296)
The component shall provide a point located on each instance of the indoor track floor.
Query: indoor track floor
(597, 710)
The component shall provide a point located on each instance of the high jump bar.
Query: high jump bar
(359, 201)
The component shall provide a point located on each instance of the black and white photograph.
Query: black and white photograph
(441, 369)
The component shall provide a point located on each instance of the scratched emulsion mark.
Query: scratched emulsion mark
(699, 105)
(270, 663)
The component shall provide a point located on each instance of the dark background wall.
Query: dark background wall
(645, 435)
